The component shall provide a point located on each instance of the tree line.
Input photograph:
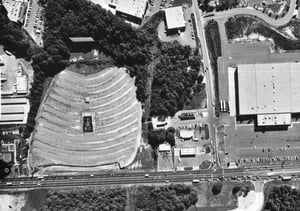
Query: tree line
(110, 199)
(173, 197)
(140, 198)
(214, 46)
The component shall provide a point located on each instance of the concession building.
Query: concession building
(271, 92)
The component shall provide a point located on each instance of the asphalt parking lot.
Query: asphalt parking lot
(34, 24)
(242, 144)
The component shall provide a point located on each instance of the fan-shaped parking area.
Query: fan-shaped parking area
(88, 121)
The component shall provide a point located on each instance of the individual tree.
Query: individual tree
(217, 188)
(5, 169)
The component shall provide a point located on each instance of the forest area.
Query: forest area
(139, 198)
(175, 73)
(214, 46)
(283, 198)
(175, 78)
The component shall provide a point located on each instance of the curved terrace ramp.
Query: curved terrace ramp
(87, 121)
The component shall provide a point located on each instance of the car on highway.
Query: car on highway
(195, 181)
(9, 183)
(146, 175)
(21, 183)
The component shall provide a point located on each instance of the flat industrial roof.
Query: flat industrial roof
(10, 101)
(82, 39)
(135, 8)
(8, 109)
(174, 17)
(269, 88)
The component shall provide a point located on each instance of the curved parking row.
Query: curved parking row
(109, 96)
(273, 21)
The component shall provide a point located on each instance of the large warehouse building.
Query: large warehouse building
(269, 91)
(174, 20)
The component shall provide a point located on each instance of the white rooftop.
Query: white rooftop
(269, 88)
(174, 17)
(188, 151)
(21, 84)
(186, 134)
(135, 8)
(82, 39)
(274, 119)
(164, 147)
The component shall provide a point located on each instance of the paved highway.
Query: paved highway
(208, 74)
(140, 178)
(251, 11)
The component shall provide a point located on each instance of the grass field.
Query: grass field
(108, 98)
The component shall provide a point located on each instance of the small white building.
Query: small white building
(160, 124)
(165, 147)
(186, 134)
(190, 151)
(175, 21)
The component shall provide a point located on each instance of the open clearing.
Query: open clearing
(87, 121)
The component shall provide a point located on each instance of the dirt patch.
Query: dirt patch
(12, 202)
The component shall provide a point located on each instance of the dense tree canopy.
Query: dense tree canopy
(157, 137)
(283, 198)
(86, 199)
(5, 169)
(214, 45)
(174, 76)
(133, 48)
(169, 198)
(217, 188)
(11, 35)
(138, 198)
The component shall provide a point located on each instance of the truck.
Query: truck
(40, 177)
(195, 181)
(285, 178)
